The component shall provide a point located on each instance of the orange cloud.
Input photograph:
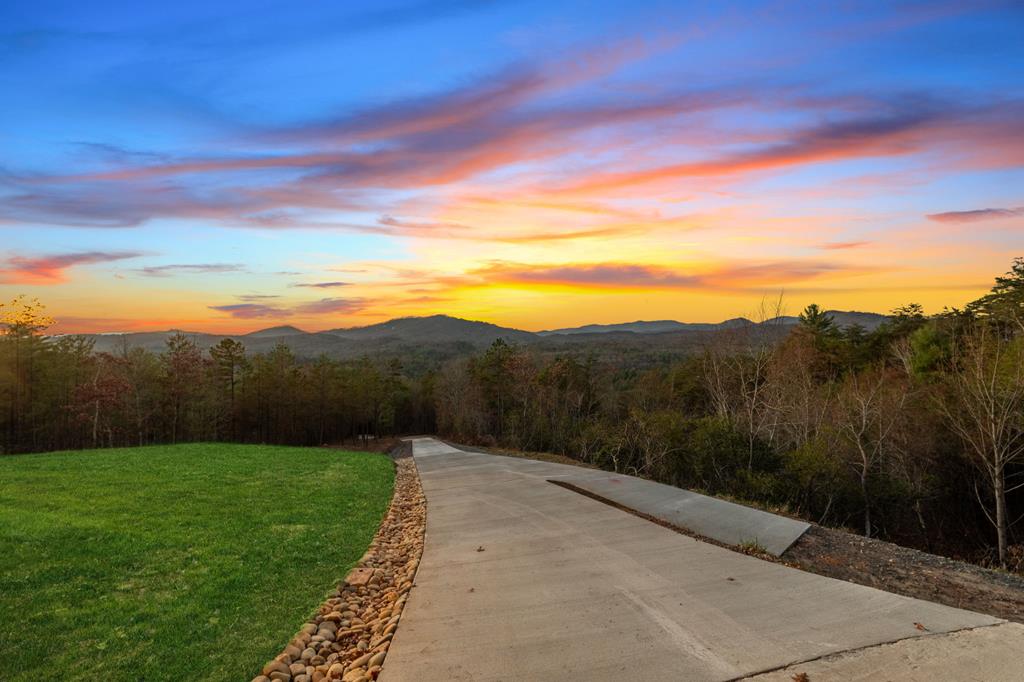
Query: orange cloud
(53, 269)
(842, 246)
(636, 276)
(324, 306)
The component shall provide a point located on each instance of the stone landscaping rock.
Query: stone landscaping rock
(349, 636)
(273, 666)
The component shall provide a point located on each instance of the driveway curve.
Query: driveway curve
(524, 580)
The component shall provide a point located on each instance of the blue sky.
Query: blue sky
(531, 163)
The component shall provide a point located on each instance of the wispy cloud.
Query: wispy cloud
(257, 297)
(322, 285)
(324, 306)
(328, 306)
(491, 126)
(53, 269)
(976, 215)
(426, 299)
(603, 275)
(189, 268)
(249, 311)
(633, 276)
(905, 127)
(842, 246)
(500, 120)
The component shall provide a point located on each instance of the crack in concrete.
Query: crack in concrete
(868, 647)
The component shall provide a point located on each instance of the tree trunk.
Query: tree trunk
(998, 486)
(95, 421)
(234, 425)
(95, 408)
(138, 415)
(867, 504)
(174, 422)
(921, 524)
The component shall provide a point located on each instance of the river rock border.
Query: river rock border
(349, 636)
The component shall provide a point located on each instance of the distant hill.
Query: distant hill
(869, 321)
(652, 327)
(843, 319)
(435, 329)
(443, 336)
(275, 332)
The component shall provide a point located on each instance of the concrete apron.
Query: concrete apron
(726, 522)
(524, 580)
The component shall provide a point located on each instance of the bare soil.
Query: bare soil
(910, 572)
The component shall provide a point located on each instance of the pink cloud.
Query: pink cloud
(629, 276)
(517, 122)
(328, 306)
(842, 246)
(324, 306)
(250, 311)
(53, 269)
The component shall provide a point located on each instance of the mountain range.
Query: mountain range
(443, 335)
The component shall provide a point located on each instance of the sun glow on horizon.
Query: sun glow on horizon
(339, 174)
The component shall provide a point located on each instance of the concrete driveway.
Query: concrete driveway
(525, 580)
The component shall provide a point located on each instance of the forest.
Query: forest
(912, 432)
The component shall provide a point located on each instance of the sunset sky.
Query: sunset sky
(230, 166)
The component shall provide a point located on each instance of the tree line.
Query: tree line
(57, 393)
(912, 432)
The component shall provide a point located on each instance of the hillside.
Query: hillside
(275, 332)
(435, 329)
(869, 321)
(443, 336)
(638, 327)
(842, 319)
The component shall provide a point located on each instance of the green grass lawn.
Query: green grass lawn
(194, 562)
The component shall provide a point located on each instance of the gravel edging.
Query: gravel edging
(349, 636)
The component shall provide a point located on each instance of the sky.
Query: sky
(229, 166)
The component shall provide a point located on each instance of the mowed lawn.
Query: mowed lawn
(174, 562)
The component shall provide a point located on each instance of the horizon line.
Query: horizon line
(445, 315)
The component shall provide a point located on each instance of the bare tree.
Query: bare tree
(903, 352)
(985, 407)
(459, 403)
(737, 375)
(801, 398)
(868, 410)
(914, 463)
